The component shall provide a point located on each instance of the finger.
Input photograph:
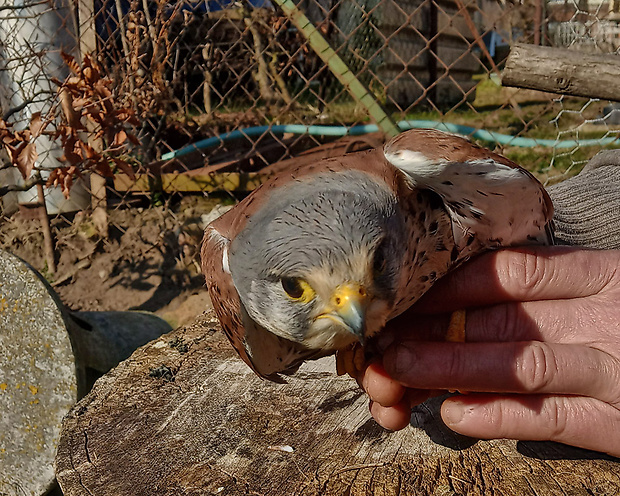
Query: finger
(523, 367)
(394, 418)
(577, 421)
(526, 274)
(380, 387)
(561, 321)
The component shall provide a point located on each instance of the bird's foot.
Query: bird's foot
(351, 360)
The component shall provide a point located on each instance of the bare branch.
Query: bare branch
(33, 181)
(22, 106)
(5, 165)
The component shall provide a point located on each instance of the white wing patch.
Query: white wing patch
(225, 260)
(411, 162)
(222, 241)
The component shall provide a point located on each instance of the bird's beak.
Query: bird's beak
(349, 303)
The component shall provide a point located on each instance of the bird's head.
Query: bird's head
(320, 263)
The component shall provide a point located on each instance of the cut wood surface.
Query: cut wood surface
(183, 416)
(563, 71)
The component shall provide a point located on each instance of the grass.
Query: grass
(504, 110)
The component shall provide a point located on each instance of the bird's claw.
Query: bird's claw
(351, 360)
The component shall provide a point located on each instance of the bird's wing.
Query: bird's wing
(492, 201)
(224, 296)
(267, 354)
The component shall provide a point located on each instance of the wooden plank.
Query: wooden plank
(190, 182)
(339, 68)
(209, 178)
(141, 184)
(563, 71)
(87, 30)
(223, 181)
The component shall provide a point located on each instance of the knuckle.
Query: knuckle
(613, 372)
(536, 367)
(556, 413)
(456, 365)
(526, 270)
(610, 271)
(502, 322)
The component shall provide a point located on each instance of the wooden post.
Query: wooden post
(476, 34)
(338, 67)
(537, 22)
(433, 46)
(88, 45)
(48, 239)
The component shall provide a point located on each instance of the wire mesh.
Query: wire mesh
(244, 83)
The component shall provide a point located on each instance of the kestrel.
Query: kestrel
(324, 255)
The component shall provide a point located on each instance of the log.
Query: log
(49, 358)
(563, 71)
(183, 416)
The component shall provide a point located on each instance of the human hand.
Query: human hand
(542, 355)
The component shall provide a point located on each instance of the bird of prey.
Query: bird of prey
(324, 255)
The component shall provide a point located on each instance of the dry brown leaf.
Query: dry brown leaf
(71, 63)
(125, 167)
(26, 158)
(134, 139)
(36, 124)
(101, 87)
(89, 151)
(104, 169)
(8, 138)
(71, 157)
(66, 103)
(120, 137)
(24, 135)
(66, 185)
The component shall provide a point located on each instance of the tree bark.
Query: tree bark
(183, 416)
(563, 71)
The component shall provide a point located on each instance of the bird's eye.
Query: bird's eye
(379, 262)
(297, 288)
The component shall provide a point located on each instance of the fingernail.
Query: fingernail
(452, 413)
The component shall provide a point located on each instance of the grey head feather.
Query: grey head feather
(316, 224)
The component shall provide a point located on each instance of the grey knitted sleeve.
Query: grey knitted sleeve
(587, 206)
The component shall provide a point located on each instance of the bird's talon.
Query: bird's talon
(359, 359)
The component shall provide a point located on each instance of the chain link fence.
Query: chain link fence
(226, 92)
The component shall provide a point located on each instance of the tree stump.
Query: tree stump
(49, 358)
(183, 416)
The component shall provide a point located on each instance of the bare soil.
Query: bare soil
(150, 261)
